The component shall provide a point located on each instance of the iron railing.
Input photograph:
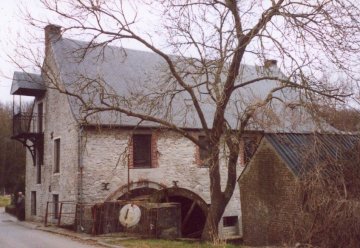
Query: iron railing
(26, 123)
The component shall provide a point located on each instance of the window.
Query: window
(56, 206)
(39, 155)
(40, 117)
(38, 170)
(230, 221)
(203, 153)
(33, 203)
(250, 145)
(56, 155)
(142, 151)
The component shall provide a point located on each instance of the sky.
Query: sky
(12, 27)
(8, 29)
(14, 32)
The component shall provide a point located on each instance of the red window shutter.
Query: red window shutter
(250, 146)
(201, 153)
(197, 155)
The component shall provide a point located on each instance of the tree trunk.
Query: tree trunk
(211, 228)
(219, 199)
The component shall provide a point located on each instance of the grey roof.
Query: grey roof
(302, 152)
(126, 73)
(27, 84)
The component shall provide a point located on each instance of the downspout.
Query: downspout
(80, 177)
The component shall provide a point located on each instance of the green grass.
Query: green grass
(4, 201)
(158, 243)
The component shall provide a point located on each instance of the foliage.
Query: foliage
(12, 154)
(4, 201)
(344, 119)
(158, 243)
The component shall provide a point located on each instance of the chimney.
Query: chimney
(52, 33)
(270, 63)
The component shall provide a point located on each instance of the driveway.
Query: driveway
(14, 234)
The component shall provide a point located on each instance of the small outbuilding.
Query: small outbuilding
(269, 182)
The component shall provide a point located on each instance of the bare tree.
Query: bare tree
(329, 196)
(211, 39)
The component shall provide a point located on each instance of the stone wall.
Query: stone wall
(105, 161)
(268, 198)
(58, 122)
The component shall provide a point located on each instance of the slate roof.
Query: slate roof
(27, 84)
(125, 72)
(302, 152)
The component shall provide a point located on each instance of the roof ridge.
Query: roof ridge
(82, 42)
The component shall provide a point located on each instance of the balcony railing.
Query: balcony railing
(25, 123)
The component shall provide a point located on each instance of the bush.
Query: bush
(330, 215)
(4, 201)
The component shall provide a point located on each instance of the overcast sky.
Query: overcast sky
(14, 32)
(12, 26)
(8, 29)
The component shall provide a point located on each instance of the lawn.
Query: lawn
(158, 243)
(4, 201)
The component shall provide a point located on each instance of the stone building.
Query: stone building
(270, 197)
(71, 161)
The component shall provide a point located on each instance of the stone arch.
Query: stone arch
(193, 209)
(148, 186)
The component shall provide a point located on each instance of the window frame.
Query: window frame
(57, 154)
(230, 221)
(148, 146)
(40, 123)
(33, 211)
(202, 152)
(250, 144)
(38, 168)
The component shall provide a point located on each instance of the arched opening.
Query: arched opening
(193, 209)
(136, 189)
(138, 194)
(192, 217)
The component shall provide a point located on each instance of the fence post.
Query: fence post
(46, 213)
(59, 217)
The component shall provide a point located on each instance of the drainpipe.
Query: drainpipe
(80, 177)
(128, 180)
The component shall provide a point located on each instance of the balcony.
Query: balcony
(28, 129)
(26, 125)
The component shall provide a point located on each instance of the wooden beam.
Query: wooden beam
(187, 217)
